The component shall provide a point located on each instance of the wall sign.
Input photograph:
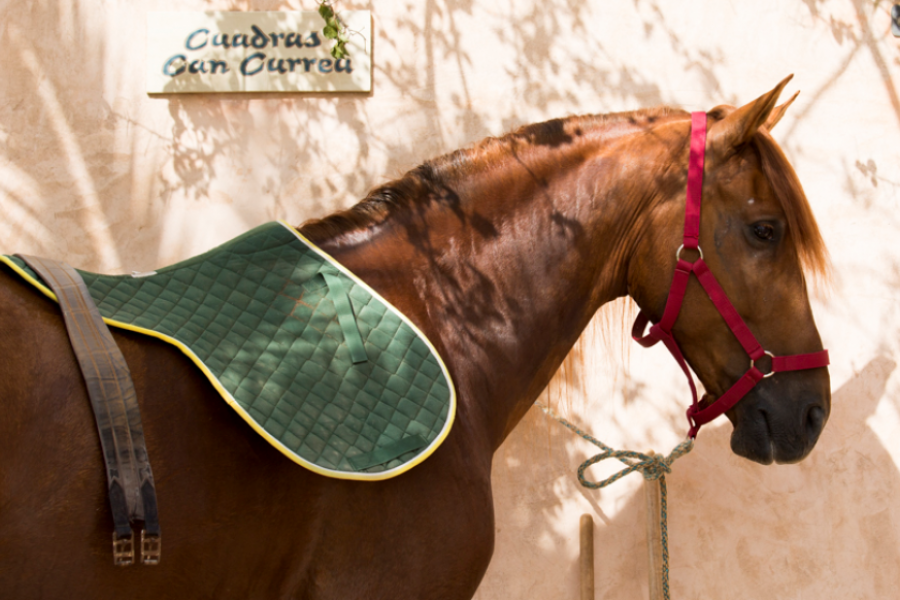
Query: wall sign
(190, 52)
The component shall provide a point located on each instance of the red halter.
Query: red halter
(662, 331)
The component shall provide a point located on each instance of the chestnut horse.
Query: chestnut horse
(500, 253)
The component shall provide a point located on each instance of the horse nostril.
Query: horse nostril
(815, 422)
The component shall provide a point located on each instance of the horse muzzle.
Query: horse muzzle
(781, 421)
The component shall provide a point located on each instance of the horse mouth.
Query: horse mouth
(761, 449)
(759, 446)
(753, 441)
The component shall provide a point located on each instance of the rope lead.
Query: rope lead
(653, 466)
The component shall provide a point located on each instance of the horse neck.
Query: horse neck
(503, 271)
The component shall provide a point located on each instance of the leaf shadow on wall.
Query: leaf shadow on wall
(61, 179)
(252, 151)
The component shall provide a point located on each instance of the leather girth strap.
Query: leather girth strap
(132, 493)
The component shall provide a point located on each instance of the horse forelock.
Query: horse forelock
(436, 176)
(801, 223)
(805, 235)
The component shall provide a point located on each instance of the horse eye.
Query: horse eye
(764, 231)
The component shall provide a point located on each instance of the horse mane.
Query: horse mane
(438, 176)
(435, 177)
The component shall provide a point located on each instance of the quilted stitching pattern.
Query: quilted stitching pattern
(256, 312)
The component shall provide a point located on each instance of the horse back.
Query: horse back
(238, 518)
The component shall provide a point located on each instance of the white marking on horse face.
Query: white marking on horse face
(751, 201)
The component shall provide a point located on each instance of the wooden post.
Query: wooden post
(654, 536)
(587, 557)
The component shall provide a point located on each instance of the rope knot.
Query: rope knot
(651, 466)
(654, 467)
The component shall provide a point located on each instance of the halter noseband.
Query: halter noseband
(662, 331)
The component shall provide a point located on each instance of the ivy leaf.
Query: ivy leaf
(339, 51)
(334, 30)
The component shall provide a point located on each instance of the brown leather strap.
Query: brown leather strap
(132, 493)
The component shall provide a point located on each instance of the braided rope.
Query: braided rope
(653, 466)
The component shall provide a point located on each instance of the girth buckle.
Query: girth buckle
(123, 550)
(151, 548)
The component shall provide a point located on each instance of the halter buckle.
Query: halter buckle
(681, 247)
(770, 373)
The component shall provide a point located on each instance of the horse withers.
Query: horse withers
(499, 253)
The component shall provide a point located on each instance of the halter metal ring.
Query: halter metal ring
(681, 247)
(770, 355)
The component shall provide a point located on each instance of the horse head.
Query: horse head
(758, 237)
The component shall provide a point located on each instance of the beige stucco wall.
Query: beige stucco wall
(95, 171)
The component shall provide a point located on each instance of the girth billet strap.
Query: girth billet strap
(662, 331)
(132, 493)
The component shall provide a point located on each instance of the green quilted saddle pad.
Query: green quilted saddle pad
(310, 356)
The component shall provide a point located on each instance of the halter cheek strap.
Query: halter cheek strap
(662, 331)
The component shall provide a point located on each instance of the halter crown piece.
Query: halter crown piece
(662, 331)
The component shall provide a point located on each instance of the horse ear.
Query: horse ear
(739, 126)
(778, 112)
